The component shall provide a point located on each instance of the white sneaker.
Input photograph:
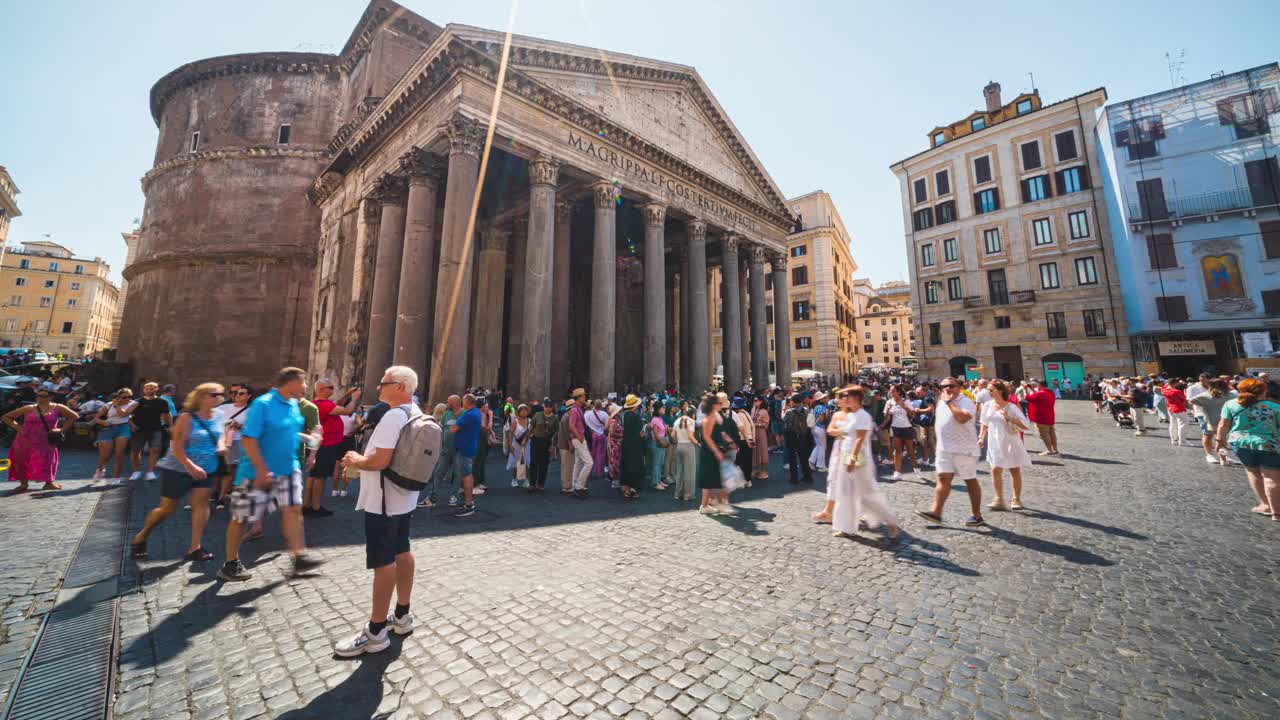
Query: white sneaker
(1211, 459)
(707, 510)
(334, 493)
(515, 483)
(151, 476)
(97, 475)
(897, 475)
(137, 475)
(113, 482)
(400, 626)
(363, 643)
(343, 493)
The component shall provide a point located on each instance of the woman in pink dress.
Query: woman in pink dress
(760, 451)
(613, 431)
(32, 457)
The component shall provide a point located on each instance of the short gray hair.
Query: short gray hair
(327, 381)
(403, 375)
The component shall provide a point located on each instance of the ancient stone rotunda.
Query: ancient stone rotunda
(344, 212)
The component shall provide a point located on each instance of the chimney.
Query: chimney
(992, 93)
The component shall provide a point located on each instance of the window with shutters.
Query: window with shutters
(800, 310)
(1030, 155)
(982, 170)
(921, 189)
(803, 343)
(799, 251)
(66, 328)
(922, 219)
(1042, 231)
(926, 255)
(946, 212)
(957, 332)
(24, 264)
(868, 349)
(1079, 222)
(1036, 188)
(951, 250)
(1270, 231)
(1271, 302)
(1049, 276)
(20, 282)
(991, 241)
(1002, 322)
(1086, 273)
(1072, 180)
(1161, 252)
(799, 276)
(1264, 181)
(986, 201)
(1095, 323)
(49, 283)
(998, 287)
(1139, 137)
(942, 183)
(1151, 201)
(1057, 324)
(931, 292)
(46, 302)
(953, 289)
(79, 270)
(53, 267)
(1171, 308)
(884, 334)
(1065, 144)
(1247, 113)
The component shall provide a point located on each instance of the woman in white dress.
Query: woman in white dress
(516, 436)
(1002, 426)
(855, 495)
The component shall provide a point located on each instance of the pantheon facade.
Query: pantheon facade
(533, 217)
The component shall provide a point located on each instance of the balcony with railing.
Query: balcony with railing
(1193, 206)
(973, 301)
(1021, 297)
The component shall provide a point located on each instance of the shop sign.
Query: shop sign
(1256, 344)
(1187, 347)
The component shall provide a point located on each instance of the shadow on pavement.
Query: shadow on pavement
(1095, 461)
(915, 550)
(1079, 522)
(1066, 552)
(172, 635)
(359, 695)
(747, 520)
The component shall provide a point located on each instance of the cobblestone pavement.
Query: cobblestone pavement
(1136, 585)
(38, 533)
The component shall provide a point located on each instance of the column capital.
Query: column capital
(544, 170)
(422, 167)
(655, 213)
(466, 136)
(564, 211)
(494, 237)
(778, 261)
(756, 254)
(605, 194)
(730, 242)
(390, 189)
(697, 229)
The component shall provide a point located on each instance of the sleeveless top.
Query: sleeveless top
(202, 445)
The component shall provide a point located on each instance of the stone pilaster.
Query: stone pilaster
(361, 287)
(453, 288)
(781, 320)
(682, 364)
(560, 303)
(732, 331)
(515, 329)
(539, 269)
(655, 297)
(699, 331)
(491, 274)
(759, 342)
(417, 274)
(604, 290)
(389, 191)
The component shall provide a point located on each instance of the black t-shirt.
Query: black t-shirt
(1140, 397)
(147, 417)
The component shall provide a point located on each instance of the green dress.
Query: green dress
(632, 450)
(708, 466)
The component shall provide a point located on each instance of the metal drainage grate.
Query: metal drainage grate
(98, 555)
(69, 675)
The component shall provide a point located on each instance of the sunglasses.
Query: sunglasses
(385, 383)
(217, 394)
(946, 387)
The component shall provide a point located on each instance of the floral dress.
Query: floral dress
(613, 431)
(31, 457)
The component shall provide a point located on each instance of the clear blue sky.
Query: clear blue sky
(828, 94)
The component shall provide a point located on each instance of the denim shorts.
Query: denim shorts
(463, 465)
(1264, 459)
(109, 433)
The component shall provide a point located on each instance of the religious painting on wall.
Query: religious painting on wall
(1221, 277)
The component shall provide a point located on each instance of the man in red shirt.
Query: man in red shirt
(1040, 410)
(331, 444)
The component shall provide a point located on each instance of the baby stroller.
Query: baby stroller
(1122, 414)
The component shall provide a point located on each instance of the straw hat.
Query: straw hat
(614, 409)
(631, 403)
(577, 392)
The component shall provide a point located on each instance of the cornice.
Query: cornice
(406, 22)
(246, 63)
(249, 255)
(251, 153)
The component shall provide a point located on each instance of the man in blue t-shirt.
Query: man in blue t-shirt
(466, 440)
(269, 475)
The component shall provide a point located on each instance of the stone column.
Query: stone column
(604, 289)
(560, 303)
(535, 358)
(389, 191)
(673, 338)
(655, 297)
(453, 288)
(683, 365)
(699, 331)
(491, 276)
(759, 343)
(744, 359)
(515, 330)
(361, 281)
(732, 331)
(417, 276)
(781, 320)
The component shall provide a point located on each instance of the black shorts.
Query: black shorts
(175, 485)
(384, 538)
(906, 433)
(147, 438)
(326, 458)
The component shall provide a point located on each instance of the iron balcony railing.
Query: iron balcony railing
(1189, 206)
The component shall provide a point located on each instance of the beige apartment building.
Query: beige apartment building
(884, 331)
(8, 204)
(54, 301)
(1012, 271)
(820, 269)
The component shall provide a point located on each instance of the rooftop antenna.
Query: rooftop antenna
(1034, 89)
(1175, 61)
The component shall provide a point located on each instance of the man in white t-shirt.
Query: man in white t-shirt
(387, 510)
(957, 453)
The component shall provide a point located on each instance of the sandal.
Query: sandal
(199, 555)
(52, 486)
(821, 518)
(1258, 509)
(138, 550)
(1015, 505)
(929, 516)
